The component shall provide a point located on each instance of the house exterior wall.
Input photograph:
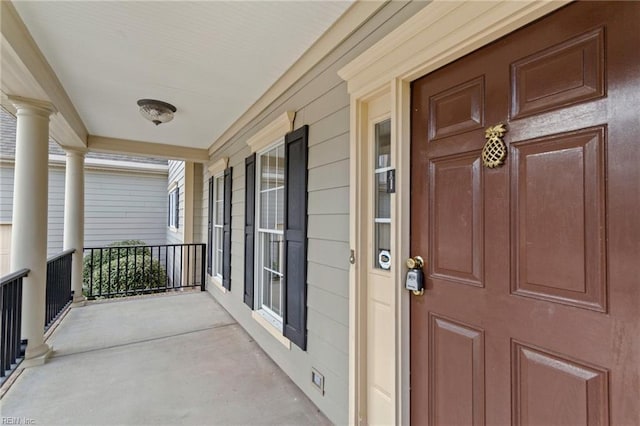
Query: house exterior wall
(125, 197)
(119, 205)
(176, 176)
(199, 209)
(320, 100)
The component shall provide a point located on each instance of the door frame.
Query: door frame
(422, 44)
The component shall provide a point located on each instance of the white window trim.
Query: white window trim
(260, 318)
(173, 187)
(215, 169)
(272, 133)
(217, 283)
(267, 316)
(215, 247)
(218, 166)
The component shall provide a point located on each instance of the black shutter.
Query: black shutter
(249, 221)
(226, 234)
(177, 207)
(295, 237)
(210, 230)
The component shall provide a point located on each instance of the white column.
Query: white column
(29, 233)
(74, 218)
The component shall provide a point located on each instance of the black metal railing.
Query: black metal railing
(59, 293)
(117, 271)
(12, 347)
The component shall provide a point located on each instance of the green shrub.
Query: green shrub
(137, 270)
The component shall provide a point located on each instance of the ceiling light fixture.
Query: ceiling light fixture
(156, 111)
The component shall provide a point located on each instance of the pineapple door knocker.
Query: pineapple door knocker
(494, 151)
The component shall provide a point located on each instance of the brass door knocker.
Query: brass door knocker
(494, 151)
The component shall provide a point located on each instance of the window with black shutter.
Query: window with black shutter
(226, 229)
(295, 237)
(210, 229)
(276, 234)
(249, 221)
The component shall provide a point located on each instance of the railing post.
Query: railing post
(179, 268)
(203, 267)
(59, 284)
(12, 346)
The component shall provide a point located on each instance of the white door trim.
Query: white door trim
(437, 35)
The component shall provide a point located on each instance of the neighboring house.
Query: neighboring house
(372, 227)
(125, 197)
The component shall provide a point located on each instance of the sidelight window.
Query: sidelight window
(382, 196)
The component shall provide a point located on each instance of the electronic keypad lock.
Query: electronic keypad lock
(415, 276)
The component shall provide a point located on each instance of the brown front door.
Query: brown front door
(531, 313)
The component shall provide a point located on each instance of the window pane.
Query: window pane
(273, 208)
(266, 180)
(382, 199)
(279, 223)
(383, 244)
(218, 251)
(264, 210)
(279, 169)
(271, 276)
(383, 144)
(219, 200)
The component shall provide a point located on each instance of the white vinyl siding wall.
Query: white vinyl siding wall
(176, 174)
(320, 99)
(120, 205)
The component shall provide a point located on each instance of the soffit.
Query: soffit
(212, 60)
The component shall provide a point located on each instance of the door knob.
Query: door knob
(415, 262)
(415, 277)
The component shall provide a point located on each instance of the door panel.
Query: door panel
(530, 314)
(552, 390)
(558, 218)
(456, 243)
(457, 110)
(457, 360)
(570, 72)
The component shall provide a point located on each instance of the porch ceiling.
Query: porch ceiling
(211, 59)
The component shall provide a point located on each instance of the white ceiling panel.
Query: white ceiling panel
(211, 59)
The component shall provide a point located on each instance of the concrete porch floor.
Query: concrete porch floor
(168, 359)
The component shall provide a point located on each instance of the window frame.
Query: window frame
(174, 207)
(275, 319)
(217, 227)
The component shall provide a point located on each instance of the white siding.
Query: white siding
(321, 101)
(6, 193)
(176, 174)
(119, 205)
(125, 206)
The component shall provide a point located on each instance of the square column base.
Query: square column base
(78, 301)
(44, 353)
